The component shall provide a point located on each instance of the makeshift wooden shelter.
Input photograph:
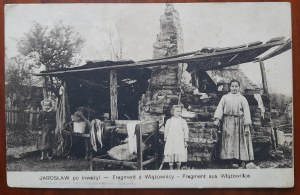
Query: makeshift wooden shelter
(124, 86)
(145, 90)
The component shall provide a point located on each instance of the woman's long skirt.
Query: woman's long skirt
(235, 143)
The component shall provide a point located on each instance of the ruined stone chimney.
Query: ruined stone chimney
(163, 89)
(169, 41)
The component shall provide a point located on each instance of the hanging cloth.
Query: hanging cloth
(96, 133)
(132, 137)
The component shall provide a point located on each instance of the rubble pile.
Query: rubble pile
(164, 92)
(261, 123)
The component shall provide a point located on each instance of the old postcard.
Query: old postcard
(189, 95)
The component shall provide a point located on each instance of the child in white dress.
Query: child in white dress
(176, 137)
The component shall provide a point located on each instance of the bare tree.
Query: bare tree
(116, 42)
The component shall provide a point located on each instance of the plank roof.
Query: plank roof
(204, 59)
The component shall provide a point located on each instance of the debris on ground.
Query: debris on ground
(284, 165)
(20, 152)
(277, 155)
(251, 165)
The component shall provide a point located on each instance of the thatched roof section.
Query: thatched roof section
(226, 75)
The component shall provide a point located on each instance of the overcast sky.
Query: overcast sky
(203, 24)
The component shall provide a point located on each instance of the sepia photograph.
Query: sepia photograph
(164, 95)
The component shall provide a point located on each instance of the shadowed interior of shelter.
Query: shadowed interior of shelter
(91, 91)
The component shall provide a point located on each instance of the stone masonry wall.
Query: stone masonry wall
(163, 88)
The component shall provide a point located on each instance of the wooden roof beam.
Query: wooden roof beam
(283, 48)
(171, 61)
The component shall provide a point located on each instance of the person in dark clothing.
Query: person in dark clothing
(47, 124)
(78, 125)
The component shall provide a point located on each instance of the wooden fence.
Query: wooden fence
(18, 119)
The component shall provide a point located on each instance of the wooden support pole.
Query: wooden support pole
(263, 77)
(139, 141)
(91, 162)
(31, 114)
(45, 93)
(179, 72)
(66, 108)
(196, 79)
(113, 95)
(156, 145)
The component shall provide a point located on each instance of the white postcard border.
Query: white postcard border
(226, 178)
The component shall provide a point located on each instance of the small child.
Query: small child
(80, 123)
(47, 124)
(176, 137)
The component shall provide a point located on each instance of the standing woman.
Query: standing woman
(233, 110)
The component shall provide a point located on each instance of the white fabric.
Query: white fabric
(187, 114)
(132, 138)
(260, 104)
(220, 88)
(99, 132)
(280, 137)
(96, 133)
(186, 78)
(79, 127)
(176, 134)
(93, 137)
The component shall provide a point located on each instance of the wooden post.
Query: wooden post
(7, 116)
(113, 95)
(91, 158)
(179, 73)
(31, 114)
(156, 144)
(139, 147)
(196, 79)
(15, 115)
(45, 94)
(263, 77)
(86, 141)
(66, 108)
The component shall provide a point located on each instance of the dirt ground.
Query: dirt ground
(33, 163)
(25, 157)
